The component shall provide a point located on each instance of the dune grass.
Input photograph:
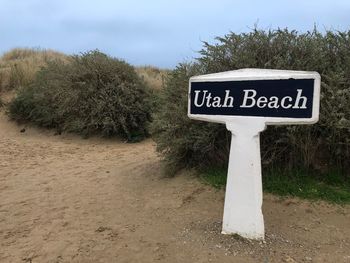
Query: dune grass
(153, 76)
(332, 187)
(19, 65)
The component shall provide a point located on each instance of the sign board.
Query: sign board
(277, 96)
(246, 101)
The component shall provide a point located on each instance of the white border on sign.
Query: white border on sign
(259, 74)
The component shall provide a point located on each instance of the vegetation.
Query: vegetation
(19, 66)
(153, 76)
(330, 186)
(92, 94)
(320, 147)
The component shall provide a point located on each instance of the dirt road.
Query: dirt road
(65, 199)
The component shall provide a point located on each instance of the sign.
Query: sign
(290, 98)
(246, 101)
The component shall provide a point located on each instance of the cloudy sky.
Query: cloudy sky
(155, 32)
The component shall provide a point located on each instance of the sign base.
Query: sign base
(243, 197)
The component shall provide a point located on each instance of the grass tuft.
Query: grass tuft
(154, 77)
(214, 177)
(331, 187)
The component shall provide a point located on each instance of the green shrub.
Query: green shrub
(93, 94)
(185, 142)
(322, 146)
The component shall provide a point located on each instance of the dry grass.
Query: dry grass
(153, 76)
(18, 66)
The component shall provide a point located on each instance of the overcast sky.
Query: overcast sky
(155, 32)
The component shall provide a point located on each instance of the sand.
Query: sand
(66, 199)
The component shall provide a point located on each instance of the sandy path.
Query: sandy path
(64, 199)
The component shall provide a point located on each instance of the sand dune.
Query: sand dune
(65, 199)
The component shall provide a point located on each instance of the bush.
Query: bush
(93, 94)
(185, 143)
(323, 146)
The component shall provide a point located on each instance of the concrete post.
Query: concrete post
(243, 199)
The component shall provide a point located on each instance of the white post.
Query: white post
(243, 198)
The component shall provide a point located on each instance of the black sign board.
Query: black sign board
(284, 98)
